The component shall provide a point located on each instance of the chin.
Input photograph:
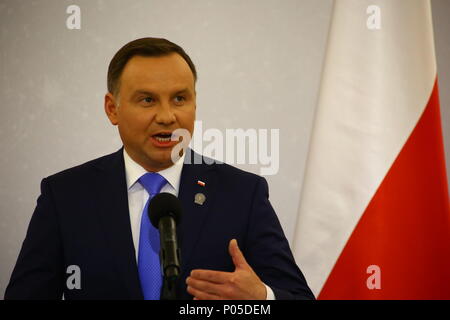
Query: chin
(162, 160)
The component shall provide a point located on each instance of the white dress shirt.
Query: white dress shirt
(138, 196)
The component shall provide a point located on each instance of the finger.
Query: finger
(237, 255)
(219, 277)
(205, 286)
(200, 295)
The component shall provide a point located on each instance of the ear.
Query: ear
(111, 108)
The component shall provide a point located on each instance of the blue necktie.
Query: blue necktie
(149, 266)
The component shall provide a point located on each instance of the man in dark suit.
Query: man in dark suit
(93, 216)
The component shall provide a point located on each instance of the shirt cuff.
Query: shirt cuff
(270, 295)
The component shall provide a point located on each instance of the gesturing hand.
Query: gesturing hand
(242, 284)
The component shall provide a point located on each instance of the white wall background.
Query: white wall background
(259, 65)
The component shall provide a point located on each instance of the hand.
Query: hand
(242, 284)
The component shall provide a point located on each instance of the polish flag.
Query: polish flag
(374, 217)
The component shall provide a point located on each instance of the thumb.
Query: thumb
(237, 256)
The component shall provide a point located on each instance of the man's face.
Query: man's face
(156, 97)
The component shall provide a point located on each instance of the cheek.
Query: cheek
(138, 116)
(187, 119)
(134, 124)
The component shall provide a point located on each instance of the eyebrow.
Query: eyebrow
(150, 93)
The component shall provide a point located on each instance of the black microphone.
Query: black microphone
(164, 211)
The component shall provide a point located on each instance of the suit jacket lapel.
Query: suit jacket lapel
(194, 215)
(115, 219)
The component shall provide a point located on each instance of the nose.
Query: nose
(165, 115)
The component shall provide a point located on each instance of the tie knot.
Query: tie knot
(152, 182)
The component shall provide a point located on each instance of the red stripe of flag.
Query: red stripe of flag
(405, 230)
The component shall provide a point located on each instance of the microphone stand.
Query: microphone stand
(170, 259)
(169, 288)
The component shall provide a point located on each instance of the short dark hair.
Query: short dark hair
(146, 47)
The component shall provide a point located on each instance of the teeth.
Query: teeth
(162, 139)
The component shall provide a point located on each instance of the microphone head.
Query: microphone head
(164, 204)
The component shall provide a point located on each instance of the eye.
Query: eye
(179, 100)
(147, 101)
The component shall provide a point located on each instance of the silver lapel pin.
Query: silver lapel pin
(199, 198)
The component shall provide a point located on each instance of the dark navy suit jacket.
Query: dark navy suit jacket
(82, 219)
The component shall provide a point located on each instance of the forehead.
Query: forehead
(156, 73)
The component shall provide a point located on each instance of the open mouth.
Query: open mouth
(163, 137)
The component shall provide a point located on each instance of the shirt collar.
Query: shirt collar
(133, 171)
